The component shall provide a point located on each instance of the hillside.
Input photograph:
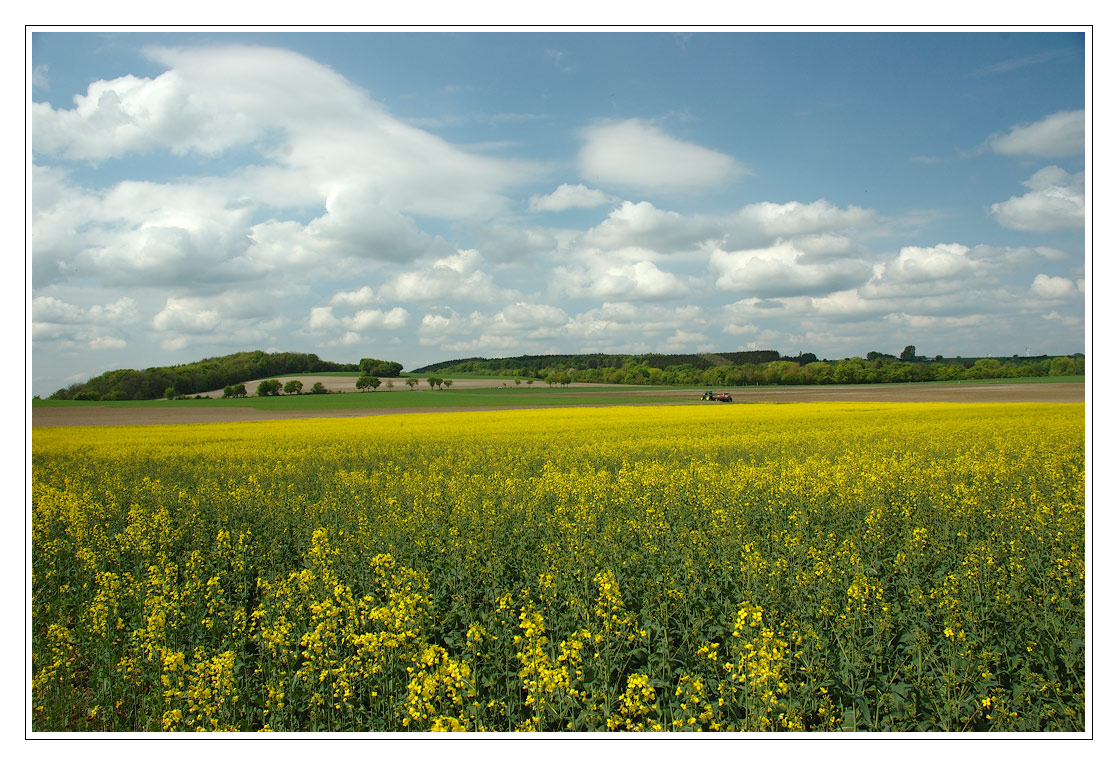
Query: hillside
(755, 368)
(205, 375)
(540, 366)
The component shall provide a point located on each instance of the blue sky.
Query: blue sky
(437, 195)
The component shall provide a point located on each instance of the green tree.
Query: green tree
(1061, 366)
(435, 381)
(909, 353)
(899, 371)
(170, 393)
(319, 388)
(448, 383)
(411, 382)
(293, 386)
(268, 388)
(374, 367)
(986, 369)
(818, 372)
(851, 370)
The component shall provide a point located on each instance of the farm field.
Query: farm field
(483, 394)
(795, 567)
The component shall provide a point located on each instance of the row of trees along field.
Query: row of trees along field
(761, 368)
(211, 374)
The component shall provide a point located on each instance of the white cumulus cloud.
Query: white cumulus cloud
(782, 271)
(566, 197)
(322, 318)
(186, 315)
(797, 218)
(1053, 287)
(361, 296)
(53, 319)
(521, 325)
(607, 280)
(454, 277)
(643, 225)
(1057, 135)
(1056, 201)
(635, 154)
(925, 264)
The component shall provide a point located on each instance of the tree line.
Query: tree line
(539, 367)
(761, 368)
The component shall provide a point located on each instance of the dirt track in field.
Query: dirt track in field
(962, 393)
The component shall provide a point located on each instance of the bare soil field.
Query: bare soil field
(948, 392)
(340, 384)
(980, 393)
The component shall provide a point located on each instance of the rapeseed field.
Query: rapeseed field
(800, 567)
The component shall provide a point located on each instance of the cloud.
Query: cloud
(948, 275)
(566, 197)
(1053, 287)
(917, 265)
(312, 130)
(186, 315)
(824, 247)
(797, 218)
(40, 76)
(455, 277)
(106, 343)
(643, 225)
(322, 318)
(519, 325)
(1008, 65)
(602, 279)
(321, 179)
(627, 325)
(232, 318)
(50, 310)
(357, 226)
(557, 57)
(1057, 135)
(68, 325)
(1057, 201)
(61, 214)
(359, 297)
(782, 271)
(529, 316)
(372, 318)
(513, 244)
(634, 154)
(53, 318)
(818, 229)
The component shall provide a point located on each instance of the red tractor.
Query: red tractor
(725, 398)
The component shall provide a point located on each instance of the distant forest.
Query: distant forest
(757, 368)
